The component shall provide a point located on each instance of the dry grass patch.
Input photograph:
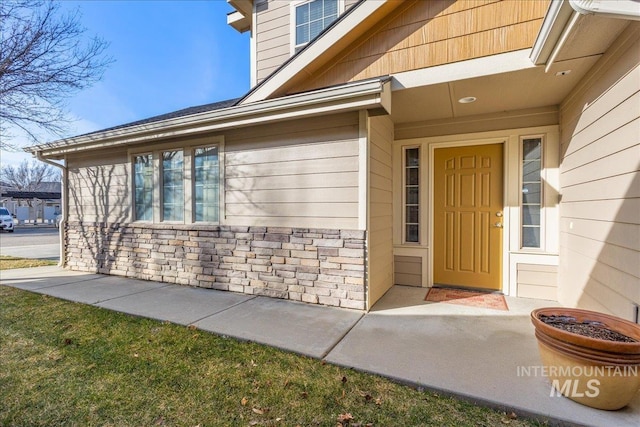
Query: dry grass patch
(65, 363)
(9, 262)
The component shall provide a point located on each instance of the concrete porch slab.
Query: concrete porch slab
(177, 304)
(302, 328)
(476, 353)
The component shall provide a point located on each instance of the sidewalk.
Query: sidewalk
(469, 352)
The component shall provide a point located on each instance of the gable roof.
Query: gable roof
(172, 115)
(371, 93)
(332, 40)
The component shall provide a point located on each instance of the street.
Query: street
(31, 242)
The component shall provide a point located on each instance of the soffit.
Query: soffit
(592, 35)
(514, 90)
(510, 91)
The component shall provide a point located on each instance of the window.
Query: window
(185, 185)
(531, 192)
(312, 17)
(412, 195)
(143, 187)
(172, 186)
(206, 184)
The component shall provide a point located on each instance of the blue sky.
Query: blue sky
(169, 54)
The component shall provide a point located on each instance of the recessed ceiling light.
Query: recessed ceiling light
(467, 100)
(563, 73)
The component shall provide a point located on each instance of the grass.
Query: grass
(10, 262)
(69, 364)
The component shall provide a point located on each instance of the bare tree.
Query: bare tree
(28, 175)
(45, 58)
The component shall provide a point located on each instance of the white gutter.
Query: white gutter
(562, 17)
(366, 94)
(622, 9)
(563, 38)
(63, 204)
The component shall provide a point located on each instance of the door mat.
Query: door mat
(468, 298)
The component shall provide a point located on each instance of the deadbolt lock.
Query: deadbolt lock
(498, 214)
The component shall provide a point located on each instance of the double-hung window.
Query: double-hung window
(143, 187)
(311, 17)
(177, 185)
(206, 184)
(172, 185)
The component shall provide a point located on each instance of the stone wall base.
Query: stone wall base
(311, 265)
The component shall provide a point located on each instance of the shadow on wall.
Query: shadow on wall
(97, 196)
(600, 221)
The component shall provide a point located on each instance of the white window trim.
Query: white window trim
(404, 194)
(188, 149)
(543, 227)
(132, 168)
(292, 23)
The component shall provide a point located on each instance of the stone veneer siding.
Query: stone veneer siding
(316, 266)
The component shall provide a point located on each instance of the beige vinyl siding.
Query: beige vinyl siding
(99, 187)
(600, 184)
(272, 36)
(537, 281)
(380, 239)
(407, 270)
(301, 173)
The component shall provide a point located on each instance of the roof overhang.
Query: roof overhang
(366, 94)
(241, 18)
(579, 28)
(239, 22)
(357, 21)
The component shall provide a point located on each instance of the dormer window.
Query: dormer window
(311, 17)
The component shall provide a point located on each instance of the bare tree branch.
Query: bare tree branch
(28, 175)
(45, 58)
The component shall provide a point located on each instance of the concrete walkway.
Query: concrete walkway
(478, 354)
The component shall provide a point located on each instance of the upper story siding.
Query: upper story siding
(421, 34)
(273, 34)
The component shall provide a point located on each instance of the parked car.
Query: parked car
(6, 220)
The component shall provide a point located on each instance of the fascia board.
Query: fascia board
(245, 7)
(355, 96)
(478, 67)
(315, 49)
(239, 22)
(555, 21)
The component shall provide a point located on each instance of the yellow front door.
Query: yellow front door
(468, 216)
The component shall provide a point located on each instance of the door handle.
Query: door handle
(498, 224)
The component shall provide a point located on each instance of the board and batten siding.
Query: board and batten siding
(100, 187)
(273, 34)
(301, 173)
(600, 184)
(380, 239)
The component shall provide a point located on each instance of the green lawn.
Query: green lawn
(68, 364)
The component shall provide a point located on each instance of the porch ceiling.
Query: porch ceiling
(513, 90)
(510, 91)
